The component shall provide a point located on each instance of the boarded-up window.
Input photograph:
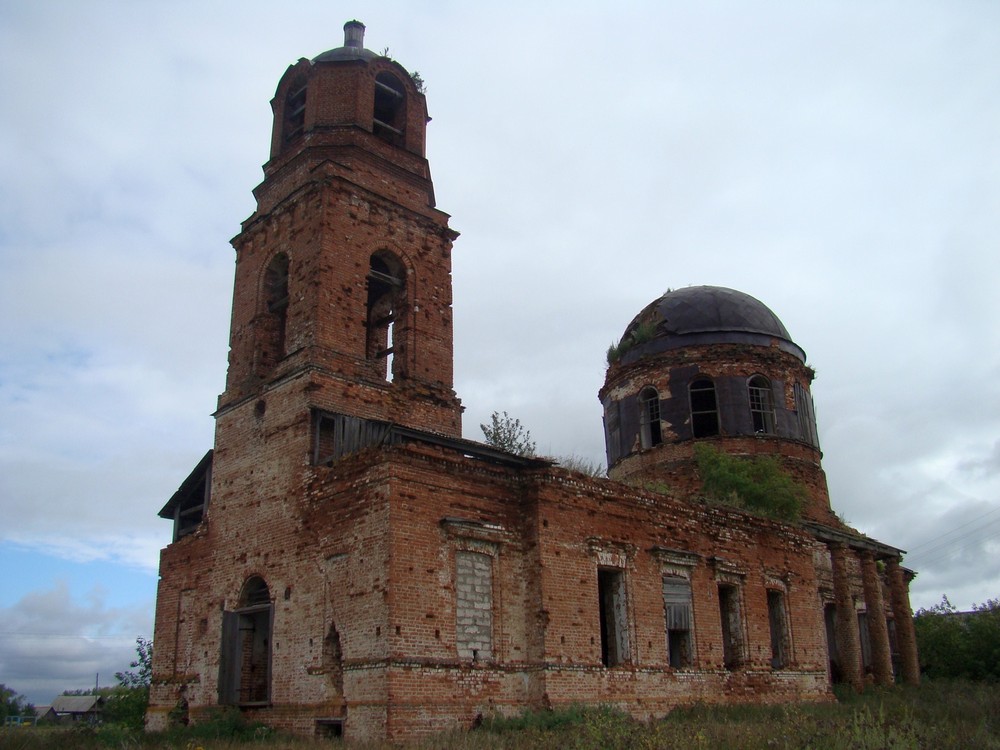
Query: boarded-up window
(339, 435)
(677, 604)
(474, 605)
(806, 414)
(614, 617)
(612, 426)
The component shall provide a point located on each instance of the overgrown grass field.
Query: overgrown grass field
(937, 715)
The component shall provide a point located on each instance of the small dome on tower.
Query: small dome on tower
(354, 46)
(705, 314)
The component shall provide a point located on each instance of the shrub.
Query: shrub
(755, 483)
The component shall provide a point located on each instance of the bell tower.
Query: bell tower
(343, 272)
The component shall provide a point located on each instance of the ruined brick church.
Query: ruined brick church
(344, 563)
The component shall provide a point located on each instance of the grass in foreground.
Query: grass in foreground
(939, 715)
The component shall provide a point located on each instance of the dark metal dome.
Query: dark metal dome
(706, 314)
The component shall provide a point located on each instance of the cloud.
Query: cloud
(56, 639)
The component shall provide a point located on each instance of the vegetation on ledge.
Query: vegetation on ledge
(754, 483)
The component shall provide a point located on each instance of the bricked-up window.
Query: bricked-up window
(777, 617)
(295, 110)
(732, 625)
(704, 409)
(649, 418)
(390, 108)
(245, 663)
(274, 323)
(474, 605)
(386, 299)
(761, 405)
(677, 603)
(614, 616)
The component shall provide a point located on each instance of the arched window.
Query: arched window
(295, 110)
(245, 668)
(390, 108)
(704, 410)
(386, 299)
(275, 321)
(761, 405)
(649, 418)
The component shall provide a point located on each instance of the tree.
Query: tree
(143, 665)
(127, 703)
(508, 434)
(959, 644)
(13, 704)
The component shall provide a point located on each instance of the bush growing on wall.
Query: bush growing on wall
(757, 484)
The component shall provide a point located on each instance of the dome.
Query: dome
(703, 315)
(354, 46)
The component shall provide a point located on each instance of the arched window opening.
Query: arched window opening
(295, 110)
(649, 418)
(761, 405)
(386, 297)
(276, 308)
(390, 108)
(704, 409)
(245, 664)
(333, 660)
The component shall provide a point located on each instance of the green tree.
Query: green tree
(13, 704)
(756, 483)
(959, 644)
(508, 434)
(127, 702)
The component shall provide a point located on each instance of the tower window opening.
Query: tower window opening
(613, 616)
(295, 110)
(649, 418)
(386, 294)
(704, 408)
(390, 108)
(276, 310)
(761, 405)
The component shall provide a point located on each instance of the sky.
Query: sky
(840, 161)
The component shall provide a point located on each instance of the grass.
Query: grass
(939, 714)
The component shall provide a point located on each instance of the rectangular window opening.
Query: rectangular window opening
(677, 604)
(732, 625)
(778, 621)
(614, 619)
(866, 641)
